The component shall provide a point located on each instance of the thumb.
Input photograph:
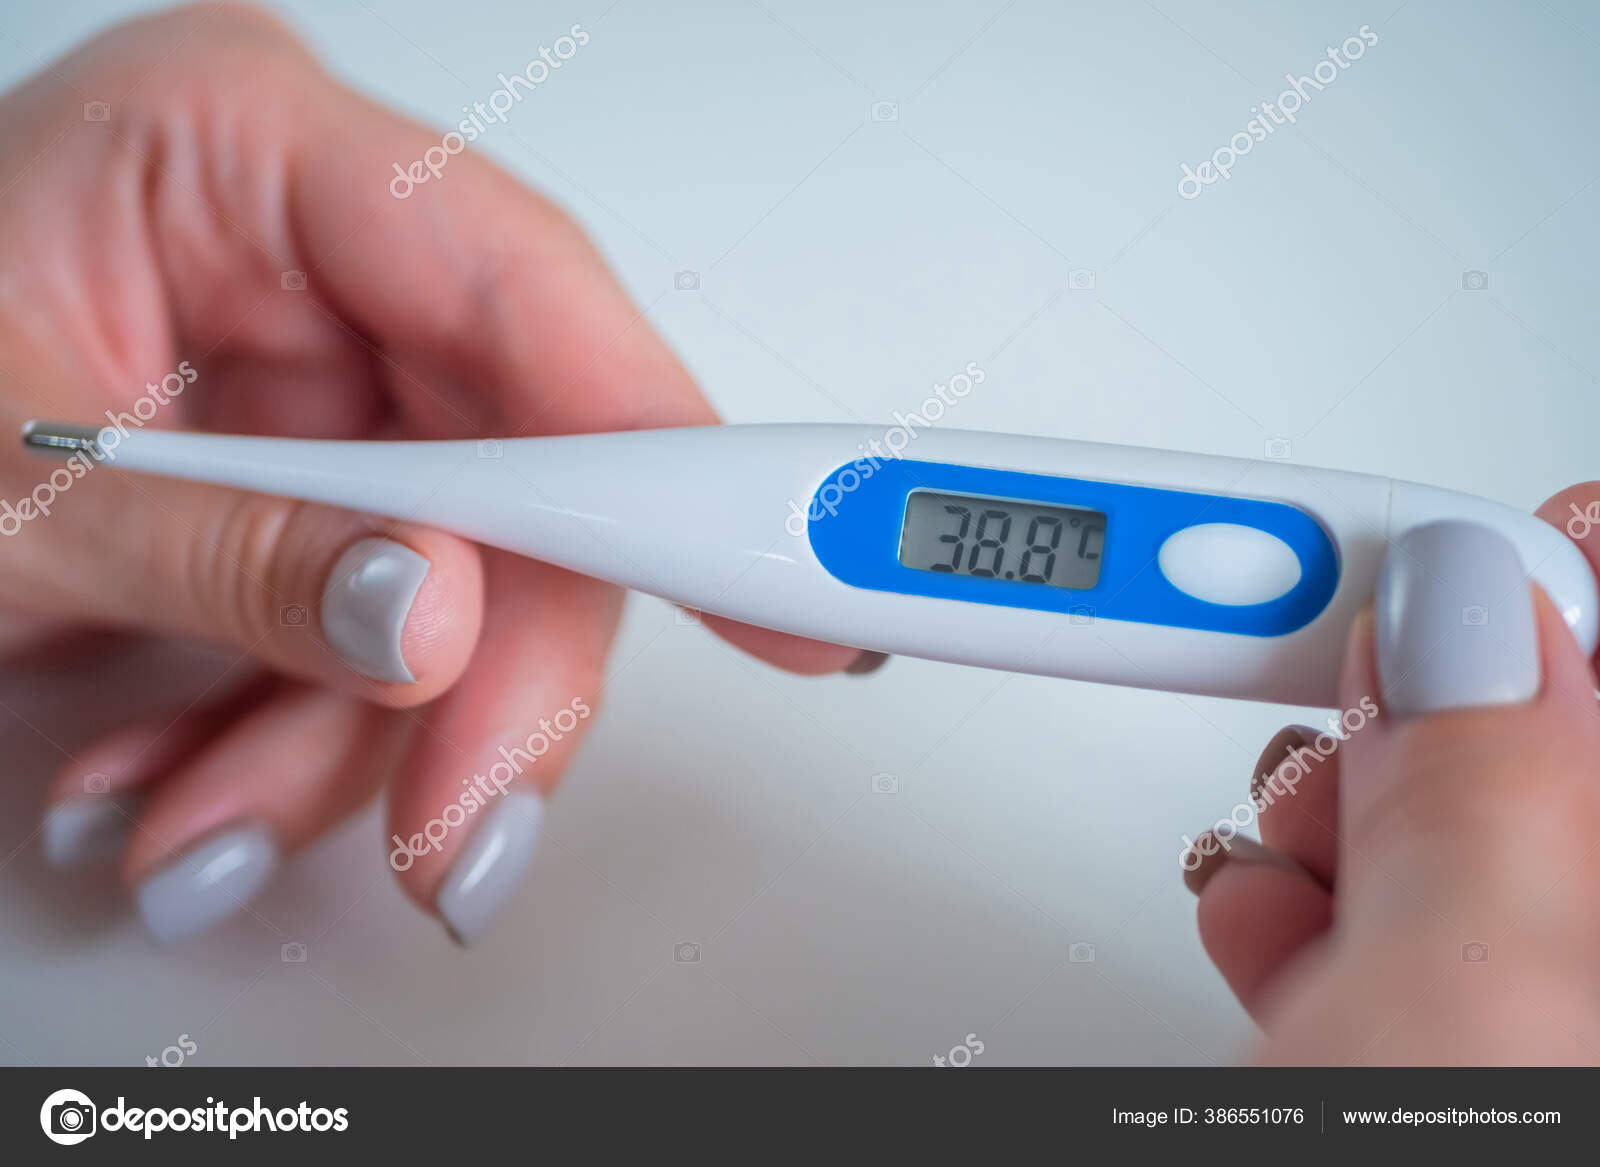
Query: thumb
(387, 610)
(1469, 864)
(1481, 767)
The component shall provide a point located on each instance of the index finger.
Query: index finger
(481, 278)
(477, 274)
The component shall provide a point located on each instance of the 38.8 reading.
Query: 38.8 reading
(1000, 539)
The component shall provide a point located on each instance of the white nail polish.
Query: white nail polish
(207, 883)
(92, 829)
(490, 866)
(1455, 621)
(365, 604)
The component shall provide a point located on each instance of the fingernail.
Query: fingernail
(1290, 737)
(1211, 852)
(867, 662)
(1455, 621)
(490, 866)
(207, 883)
(88, 830)
(365, 604)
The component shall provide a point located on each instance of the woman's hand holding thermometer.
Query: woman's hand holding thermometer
(1460, 840)
(1103, 563)
(1423, 890)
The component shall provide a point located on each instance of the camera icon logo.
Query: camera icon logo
(686, 952)
(885, 784)
(686, 281)
(1475, 615)
(1080, 614)
(1081, 953)
(294, 281)
(97, 111)
(293, 616)
(68, 1117)
(1475, 952)
(491, 448)
(96, 783)
(1081, 279)
(885, 111)
(293, 952)
(1474, 281)
(1278, 449)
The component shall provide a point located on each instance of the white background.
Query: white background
(846, 264)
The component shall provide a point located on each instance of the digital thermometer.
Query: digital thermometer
(1163, 570)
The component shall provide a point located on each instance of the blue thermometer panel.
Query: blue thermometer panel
(858, 516)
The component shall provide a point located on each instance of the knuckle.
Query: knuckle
(239, 22)
(238, 572)
(207, 51)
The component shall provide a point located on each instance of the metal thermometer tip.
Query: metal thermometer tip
(60, 438)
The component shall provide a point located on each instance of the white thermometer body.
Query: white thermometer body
(1150, 568)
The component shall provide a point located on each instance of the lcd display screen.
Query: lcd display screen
(996, 538)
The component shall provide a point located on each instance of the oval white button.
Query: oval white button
(1226, 563)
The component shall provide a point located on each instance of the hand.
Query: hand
(219, 247)
(1427, 888)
